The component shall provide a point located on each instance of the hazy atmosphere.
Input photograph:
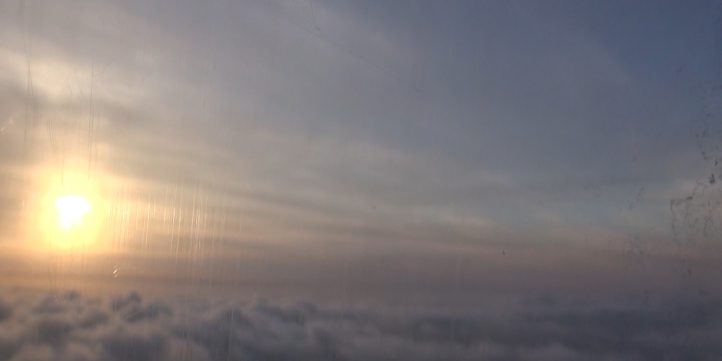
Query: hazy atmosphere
(360, 180)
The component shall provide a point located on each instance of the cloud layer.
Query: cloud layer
(71, 326)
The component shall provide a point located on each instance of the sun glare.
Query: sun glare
(71, 210)
(70, 213)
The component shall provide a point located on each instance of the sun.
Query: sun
(72, 209)
(71, 212)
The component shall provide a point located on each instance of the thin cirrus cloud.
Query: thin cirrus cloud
(331, 133)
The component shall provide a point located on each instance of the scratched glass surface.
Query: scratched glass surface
(360, 180)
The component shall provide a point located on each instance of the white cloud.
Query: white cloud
(71, 326)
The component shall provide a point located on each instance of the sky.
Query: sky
(460, 150)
